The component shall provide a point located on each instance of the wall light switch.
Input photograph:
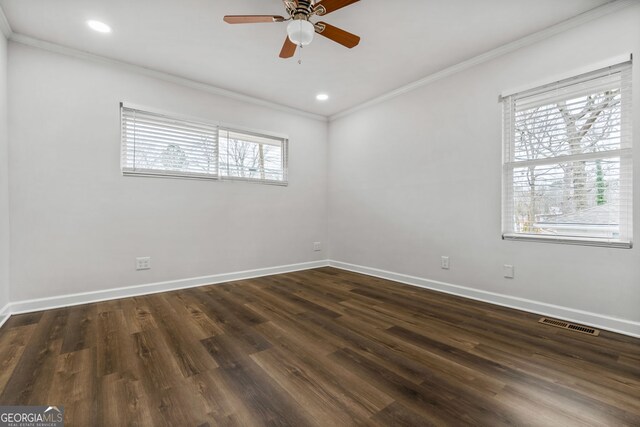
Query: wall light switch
(444, 262)
(508, 271)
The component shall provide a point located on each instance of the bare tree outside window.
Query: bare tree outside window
(572, 127)
(565, 159)
(174, 158)
(154, 144)
(243, 158)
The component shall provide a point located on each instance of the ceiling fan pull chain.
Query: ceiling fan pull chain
(300, 55)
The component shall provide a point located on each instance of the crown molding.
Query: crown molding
(160, 75)
(606, 9)
(5, 28)
(548, 32)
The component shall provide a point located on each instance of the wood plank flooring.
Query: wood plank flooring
(321, 347)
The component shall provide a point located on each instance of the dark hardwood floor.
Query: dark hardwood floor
(320, 347)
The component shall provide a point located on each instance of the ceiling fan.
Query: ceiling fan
(300, 30)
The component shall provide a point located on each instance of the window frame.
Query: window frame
(220, 126)
(284, 147)
(509, 165)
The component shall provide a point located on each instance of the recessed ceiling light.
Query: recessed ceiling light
(98, 26)
(322, 97)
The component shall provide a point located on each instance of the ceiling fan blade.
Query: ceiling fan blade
(251, 19)
(288, 49)
(327, 6)
(337, 35)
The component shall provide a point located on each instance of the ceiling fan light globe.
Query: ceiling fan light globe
(300, 32)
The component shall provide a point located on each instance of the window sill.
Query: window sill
(150, 174)
(565, 240)
(255, 181)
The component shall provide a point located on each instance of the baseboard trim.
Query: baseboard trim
(600, 321)
(5, 313)
(28, 306)
(609, 323)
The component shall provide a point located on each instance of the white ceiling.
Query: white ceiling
(402, 41)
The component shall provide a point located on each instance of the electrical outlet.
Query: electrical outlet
(508, 271)
(444, 262)
(317, 246)
(143, 263)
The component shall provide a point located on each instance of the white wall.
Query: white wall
(4, 179)
(419, 176)
(411, 179)
(78, 224)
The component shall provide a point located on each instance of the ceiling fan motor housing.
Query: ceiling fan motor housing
(303, 10)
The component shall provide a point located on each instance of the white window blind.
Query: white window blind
(155, 144)
(567, 162)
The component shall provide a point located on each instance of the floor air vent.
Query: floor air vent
(570, 326)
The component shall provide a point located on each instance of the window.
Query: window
(567, 162)
(250, 156)
(155, 144)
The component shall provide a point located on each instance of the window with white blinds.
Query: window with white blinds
(155, 144)
(567, 162)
